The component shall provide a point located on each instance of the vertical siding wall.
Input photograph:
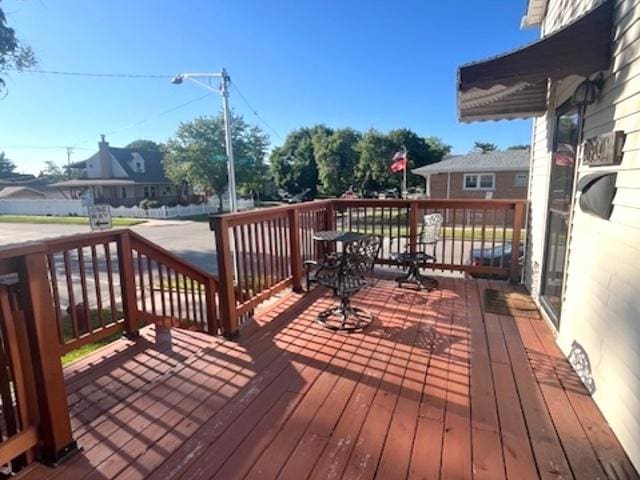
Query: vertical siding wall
(602, 298)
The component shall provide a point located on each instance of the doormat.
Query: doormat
(509, 303)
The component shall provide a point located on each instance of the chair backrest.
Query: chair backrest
(358, 257)
(431, 226)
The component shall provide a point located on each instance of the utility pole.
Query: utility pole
(224, 89)
(69, 152)
(224, 92)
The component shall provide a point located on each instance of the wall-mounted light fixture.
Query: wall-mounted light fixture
(587, 92)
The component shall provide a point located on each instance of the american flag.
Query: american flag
(400, 161)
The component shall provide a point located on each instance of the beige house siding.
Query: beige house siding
(601, 309)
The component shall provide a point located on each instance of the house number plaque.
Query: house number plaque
(605, 149)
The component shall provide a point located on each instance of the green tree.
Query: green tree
(293, 165)
(421, 151)
(14, 55)
(53, 171)
(7, 167)
(375, 153)
(336, 156)
(145, 145)
(484, 147)
(196, 154)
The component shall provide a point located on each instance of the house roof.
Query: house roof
(536, 11)
(8, 192)
(496, 161)
(88, 182)
(154, 169)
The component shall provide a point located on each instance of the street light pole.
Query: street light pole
(224, 92)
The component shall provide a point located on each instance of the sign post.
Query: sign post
(100, 217)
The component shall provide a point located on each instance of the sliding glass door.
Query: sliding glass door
(563, 164)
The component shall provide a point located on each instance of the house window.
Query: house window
(124, 192)
(521, 180)
(146, 192)
(475, 181)
(153, 192)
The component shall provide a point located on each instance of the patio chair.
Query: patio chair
(415, 255)
(349, 275)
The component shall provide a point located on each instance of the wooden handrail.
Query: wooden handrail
(472, 228)
(171, 258)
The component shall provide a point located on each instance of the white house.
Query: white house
(581, 84)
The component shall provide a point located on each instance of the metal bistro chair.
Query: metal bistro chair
(415, 255)
(349, 275)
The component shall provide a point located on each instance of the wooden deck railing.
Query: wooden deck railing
(262, 251)
(80, 290)
(84, 288)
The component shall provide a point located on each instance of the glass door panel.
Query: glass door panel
(563, 163)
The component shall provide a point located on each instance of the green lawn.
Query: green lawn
(78, 353)
(448, 233)
(117, 222)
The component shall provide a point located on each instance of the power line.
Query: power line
(94, 74)
(112, 132)
(39, 147)
(158, 115)
(255, 112)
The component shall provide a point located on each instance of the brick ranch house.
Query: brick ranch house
(123, 177)
(496, 174)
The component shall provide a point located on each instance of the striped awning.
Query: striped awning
(514, 85)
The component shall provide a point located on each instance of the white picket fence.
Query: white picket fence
(64, 208)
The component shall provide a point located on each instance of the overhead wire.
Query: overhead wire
(254, 111)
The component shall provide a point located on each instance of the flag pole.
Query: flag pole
(404, 174)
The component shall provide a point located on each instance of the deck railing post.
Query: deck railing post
(128, 285)
(227, 292)
(329, 224)
(39, 313)
(210, 292)
(294, 248)
(331, 216)
(518, 219)
(413, 225)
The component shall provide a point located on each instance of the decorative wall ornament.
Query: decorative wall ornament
(580, 362)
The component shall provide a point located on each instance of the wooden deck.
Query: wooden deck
(435, 388)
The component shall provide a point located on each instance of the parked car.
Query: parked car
(303, 196)
(492, 256)
(369, 194)
(391, 193)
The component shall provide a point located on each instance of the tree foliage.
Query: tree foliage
(329, 161)
(518, 147)
(293, 165)
(145, 145)
(196, 154)
(484, 147)
(7, 167)
(53, 171)
(14, 55)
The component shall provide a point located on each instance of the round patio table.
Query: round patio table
(337, 236)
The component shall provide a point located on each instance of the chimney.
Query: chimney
(105, 158)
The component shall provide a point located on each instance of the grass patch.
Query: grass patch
(455, 233)
(85, 350)
(117, 222)
(67, 330)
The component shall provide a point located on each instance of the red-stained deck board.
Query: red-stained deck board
(435, 388)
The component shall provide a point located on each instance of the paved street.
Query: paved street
(191, 240)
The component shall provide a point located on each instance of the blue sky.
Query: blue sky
(361, 63)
